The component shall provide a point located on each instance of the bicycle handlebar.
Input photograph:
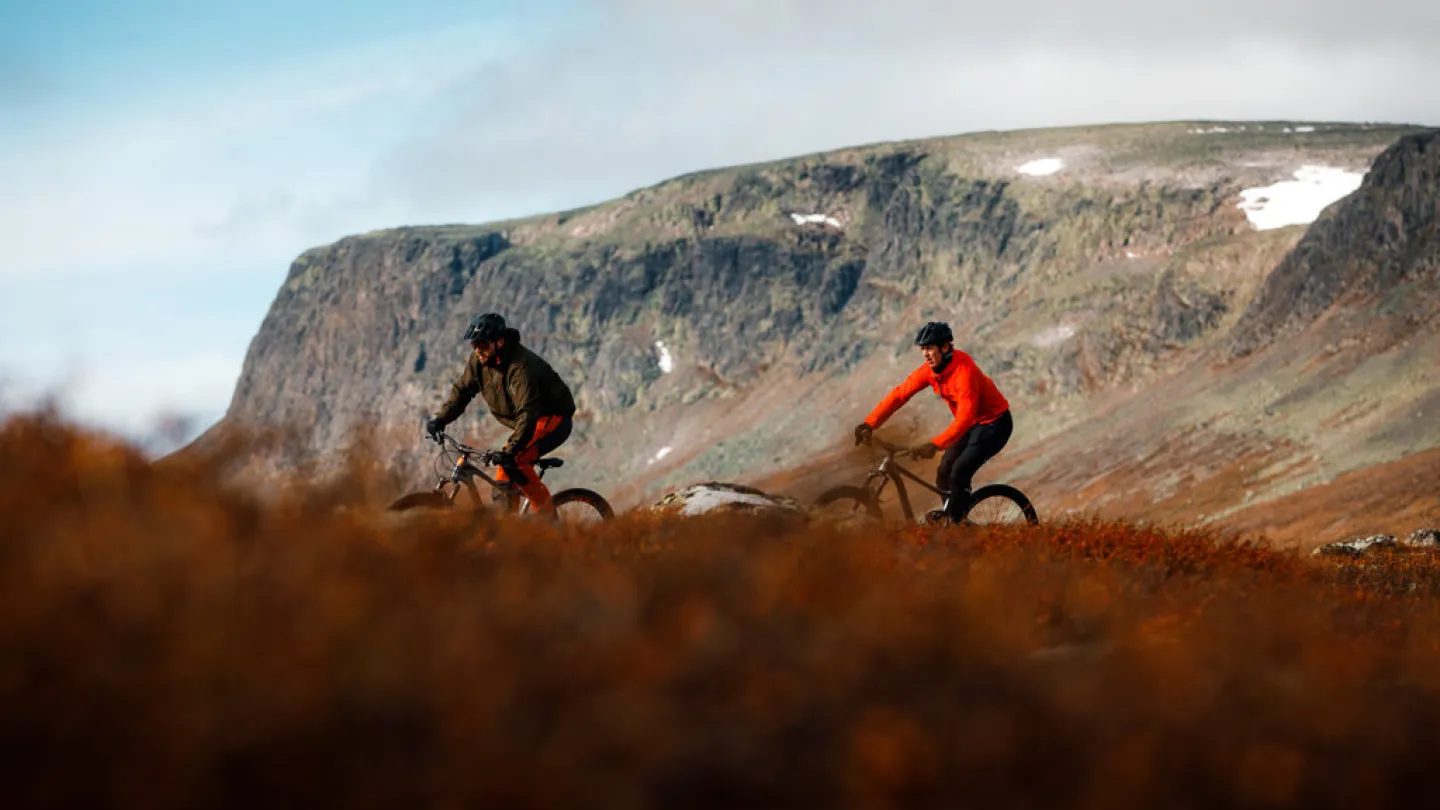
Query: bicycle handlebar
(485, 456)
(893, 449)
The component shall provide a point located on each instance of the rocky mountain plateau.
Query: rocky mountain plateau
(1173, 350)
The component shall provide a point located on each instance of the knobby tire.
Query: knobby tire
(1007, 493)
(435, 499)
(588, 497)
(421, 500)
(859, 497)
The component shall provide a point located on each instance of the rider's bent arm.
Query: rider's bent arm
(526, 396)
(966, 408)
(461, 393)
(897, 397)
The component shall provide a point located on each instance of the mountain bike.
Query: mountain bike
(991, 504)
(571, 505)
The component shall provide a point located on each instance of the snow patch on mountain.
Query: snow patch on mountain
(1298, 201)
(666, 362)
(815, 219)
(1041, 167)
(1054, 336)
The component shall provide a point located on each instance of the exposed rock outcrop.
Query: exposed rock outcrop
(1360, 545)
(1423, 538)
(1417, 540)
(714, 496)
(1380, 242)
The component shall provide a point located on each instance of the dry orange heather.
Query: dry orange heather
(168, 642)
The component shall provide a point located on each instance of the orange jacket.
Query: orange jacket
(971, 395)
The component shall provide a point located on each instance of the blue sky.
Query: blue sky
(171, 158)
(161, 163)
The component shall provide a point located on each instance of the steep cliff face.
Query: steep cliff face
(1379, 243)
(730, 323)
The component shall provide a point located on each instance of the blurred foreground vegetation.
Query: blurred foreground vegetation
(168, 642)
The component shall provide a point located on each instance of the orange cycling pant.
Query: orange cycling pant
(550, 433)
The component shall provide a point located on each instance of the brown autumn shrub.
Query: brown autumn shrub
(167, 641)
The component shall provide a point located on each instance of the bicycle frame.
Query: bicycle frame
(463, 474)
(889, 470)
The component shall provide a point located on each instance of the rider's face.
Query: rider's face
(485, 349)
(935, 355)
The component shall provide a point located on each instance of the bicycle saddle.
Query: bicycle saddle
(549, 463)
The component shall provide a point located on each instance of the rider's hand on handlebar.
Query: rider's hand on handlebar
(433, 428)
(863, 432)
(926, 450)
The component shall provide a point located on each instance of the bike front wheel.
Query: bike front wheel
(441, 498)
(847, 501)
(582, 506)
(420, 500)
(1000, 505)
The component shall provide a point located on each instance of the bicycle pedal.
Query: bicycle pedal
(935, 517)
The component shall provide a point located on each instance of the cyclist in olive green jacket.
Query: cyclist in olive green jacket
(523, 392)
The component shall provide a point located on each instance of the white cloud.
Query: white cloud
(421, 132)
(267, 165)
(655, 96)
(119, 351)
(131, 397)
(1100, 25)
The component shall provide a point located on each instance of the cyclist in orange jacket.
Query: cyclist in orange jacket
(982, 423)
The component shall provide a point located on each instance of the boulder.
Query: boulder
(715, 496)
(1424, 538)
(1359, 545)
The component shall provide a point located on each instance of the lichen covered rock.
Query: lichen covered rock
(1359, 545)
(1424, 538)
(715, 496)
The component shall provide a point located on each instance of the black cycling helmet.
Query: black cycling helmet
(489, 326)
(934, 333)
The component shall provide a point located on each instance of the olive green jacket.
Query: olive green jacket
(520, 390)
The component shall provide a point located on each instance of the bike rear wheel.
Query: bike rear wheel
(1000, 505)
(848, 501)
(582, 506)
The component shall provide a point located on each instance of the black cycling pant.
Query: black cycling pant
(957, 467)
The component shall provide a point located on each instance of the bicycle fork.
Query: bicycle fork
(884, 475)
